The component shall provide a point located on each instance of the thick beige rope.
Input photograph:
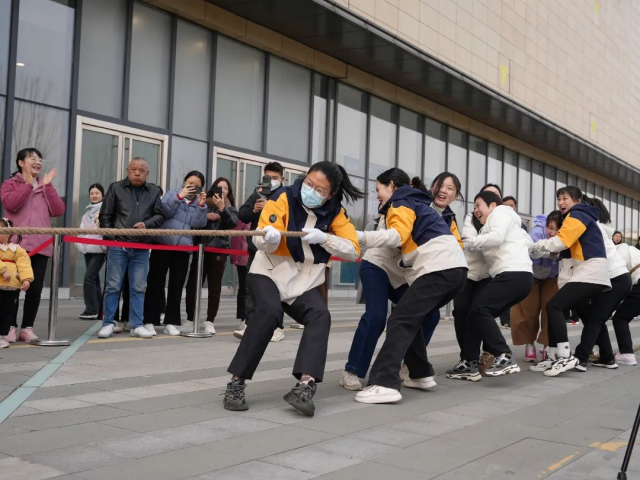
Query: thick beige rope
(139, 232)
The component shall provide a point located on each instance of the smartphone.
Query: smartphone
(217, 191)
(198, 190)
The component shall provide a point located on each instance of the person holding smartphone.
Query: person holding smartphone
(221, 215)
(184, 210)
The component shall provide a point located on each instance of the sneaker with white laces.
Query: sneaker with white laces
(187, 326)
(503, 364)
(561, 365)
(141, 332)
(378, 394)
(530, 354)
(464, 370)
(3, 343)
(404, 372)
(240, 332)
(278, 335)
(106, 331)
(209, 328)
(350, 381)
(150, 328)
(621, 358)
(171, 330)
(425, 383)
(542, 366)
(117, 327)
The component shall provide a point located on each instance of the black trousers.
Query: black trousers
(212, 272)
(461, 306)
(308, 309)
(628, 310)
(595, 316)
(91, 288)
(571, 295)
(502, 292)
(241, 310)
(248, 301)
(34, 294)
(8, 309)
(405, 338)
(161, 262)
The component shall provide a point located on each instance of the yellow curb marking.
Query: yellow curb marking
(609, 446)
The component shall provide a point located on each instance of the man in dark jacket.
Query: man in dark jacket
(129, 203)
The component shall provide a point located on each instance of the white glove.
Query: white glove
(361, 237)
(468, 244)
(537, 247)
(314, 236)
(271, 235)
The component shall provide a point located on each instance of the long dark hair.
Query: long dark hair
(603, 214)
(5, 222)
(396, 175)
(195, 173)
(341, 186)
(230, 194)
(437, 183)
(22, 155)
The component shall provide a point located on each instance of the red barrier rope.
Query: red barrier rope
(40, 248)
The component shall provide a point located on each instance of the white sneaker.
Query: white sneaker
(117, 327)
(561, 365)
(208, 328)
(626, 359)
(141, 332)
(378, 394)
(278, 335)
(150, 328)
(171, 330)
(542, 366)
(106, 331)
(404, 372)
(240, 332)
(350, 381)
(425, 383)
(187, 326)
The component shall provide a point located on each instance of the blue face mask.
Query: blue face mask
(310, 198)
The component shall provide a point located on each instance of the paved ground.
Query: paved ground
(151, 409)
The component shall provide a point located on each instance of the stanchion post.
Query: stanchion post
(196, 316)
(53, 300)
(632, 440)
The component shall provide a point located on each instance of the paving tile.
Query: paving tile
(195, 434)
(496, 431)
(148, 422)
(43, 421)
(354, 447)
(18, 469)
(57, 404)
(74, 459)
(239, 424)
(7, 429)
(312, 460)
(356, 420)
(139, 446)
(373, 471)
(256, 470)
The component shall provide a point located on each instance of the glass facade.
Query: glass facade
(144, 68)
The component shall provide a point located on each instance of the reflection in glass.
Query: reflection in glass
(550, 202)
(351, 131)
(252, 177)
(320, 103)
(410, 147)
(628, 223)
(151, 153)
(101, 79)
(457, 160)
(192, 83)
(239, 111)
(561, 179)
(477, 166)
(510, 174)
(435, 149)
(45, 44)
(229, 169)
(494, 164)
(635, 222)
(186, 155)
(537, 188)
(572, 180)
(382, 152)
(524, 185)
(5, 23)
(288, 115)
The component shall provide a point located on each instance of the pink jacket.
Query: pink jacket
(240, 243)
(26, 206)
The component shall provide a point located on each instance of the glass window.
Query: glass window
(620, 209)
(193, 81)
(382, 151)
(150, 66)
(524, 185)
(572, 180)
(477, 166)
(2, 105)
(45, 44)
(635, 222)
(628, 222)
(591, 189)
(289, 115)
(320, 104)
(561, 179)
(351, 131)
(435, 149)
(104, 30)
(607, 201)
(494, 165)
(582, 185)
(537, 188)
(186, 155)
(510, 180)
(549, 189)
(5, 23)
(239, 112)
(410, 147)
(599, 192)
(46, 129)
(457, 159)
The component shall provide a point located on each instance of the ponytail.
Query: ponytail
(341, 186)
(416, 182)
(348, 189)
(5, 222)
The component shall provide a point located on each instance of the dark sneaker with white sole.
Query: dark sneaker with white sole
(301, 397)
(503, 364)
(561, 365)
(465, 370)
(611, 364)
(581, 367)
(234, 396)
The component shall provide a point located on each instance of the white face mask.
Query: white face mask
(275, 184)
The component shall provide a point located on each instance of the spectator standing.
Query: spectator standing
(616, 238)
(31, 201)
(94, 255)
(129, 203)
(222, 215)
(184, 210)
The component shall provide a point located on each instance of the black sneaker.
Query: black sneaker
(581, 367)
(234, 396)
(301, 397)
(88, 316)
(502, 365)
(465, 371)
(611, 364)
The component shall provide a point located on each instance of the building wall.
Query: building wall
(575, 62)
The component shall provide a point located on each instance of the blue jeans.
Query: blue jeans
(118, 259)
(377, 292)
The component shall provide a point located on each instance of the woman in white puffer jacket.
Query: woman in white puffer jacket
(94, 255)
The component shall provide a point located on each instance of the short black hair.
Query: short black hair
(274, 167)
(510, 198)
(555, 216)
(497, 187)
(574, 192)
(488, 197)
